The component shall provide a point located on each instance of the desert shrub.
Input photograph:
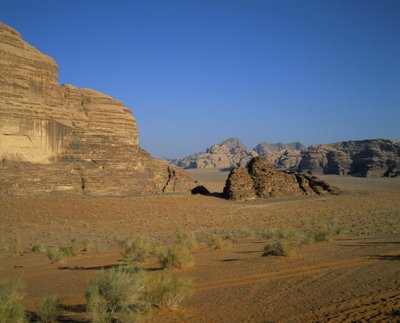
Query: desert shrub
(136, 248)
(36, 247)
(281, 247)
(113, 293)
(243, 233)
(165, 290)
(55, 254)
(217, 241)
(326, 231)
(15, 248)
(87, 245)
(48, 309)
(174, 256)
(71, 250)
(187, 239)
(270, 233)
(11, 293)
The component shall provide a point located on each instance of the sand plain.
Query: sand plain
(354, 277)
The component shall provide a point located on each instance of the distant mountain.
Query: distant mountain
(265, 148)
(286, 156)
(233, 153)
(228, 153)
(375, 157)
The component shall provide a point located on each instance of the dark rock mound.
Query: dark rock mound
(261, 179)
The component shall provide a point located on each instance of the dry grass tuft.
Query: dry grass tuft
(111, 296)
(187, 239)
(165, 290)
(48, 309)
(136, 248)
(217, 241)
(11, 293)
(177, 256)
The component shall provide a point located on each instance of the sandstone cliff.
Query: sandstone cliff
(285, 156)
(61, 138)
(229, 153)
(379, 157)
(261, 179)
(233, 153)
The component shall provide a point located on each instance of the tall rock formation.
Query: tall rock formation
(261, 179)
(379, 157)
(61, 138)
(228, 153)
(284, 156)
(233, 153)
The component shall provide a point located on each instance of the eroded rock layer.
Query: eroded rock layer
(233, 153)
(378, 157)
(261, 179)
(61, 138)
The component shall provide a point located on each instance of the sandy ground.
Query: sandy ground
(354, 277)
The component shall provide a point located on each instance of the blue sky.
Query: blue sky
(196, 72)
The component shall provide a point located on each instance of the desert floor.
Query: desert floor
(354, 277)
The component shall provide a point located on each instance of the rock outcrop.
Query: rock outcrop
(229, 153)
(61, 138)
(261, 179)
(284, 156)
(379, 157)
(233, 153)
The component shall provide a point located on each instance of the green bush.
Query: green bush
(113, 293)
(11, 311)
(136, 248)
(187, 239)
(165, 290)
(48, 309)
(178, 256)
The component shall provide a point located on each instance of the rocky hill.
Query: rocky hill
(61, 138)
(228, 153)
(378, 157)
(285, 156)
(261, 179)
(233, 153)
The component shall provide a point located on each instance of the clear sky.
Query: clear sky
(195, 72)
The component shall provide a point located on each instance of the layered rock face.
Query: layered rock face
(61, 138)
(284, 156)
(379, 157)
(261, 179)
(233, 153)
(229, 153)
